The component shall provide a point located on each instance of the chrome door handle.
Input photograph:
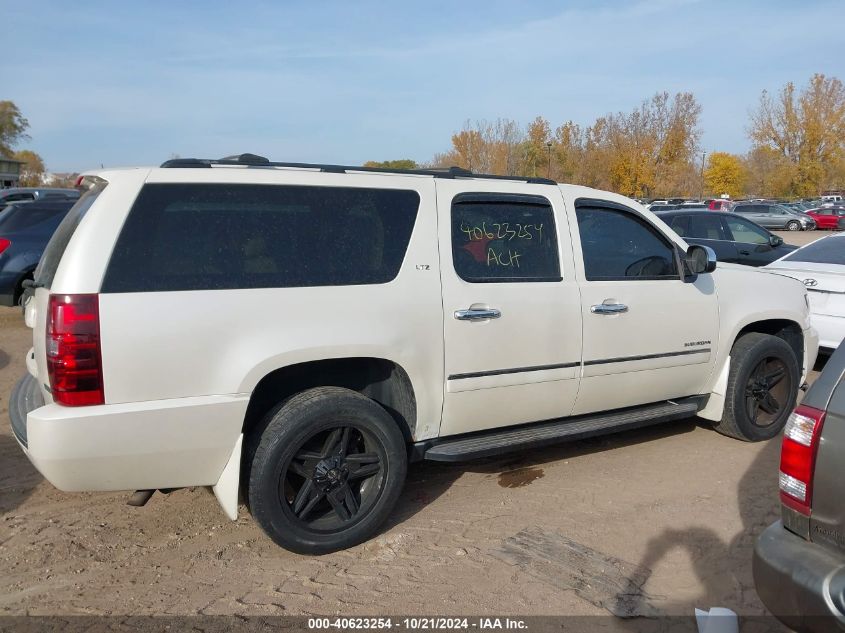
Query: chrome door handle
(477, 314)
(609, 308)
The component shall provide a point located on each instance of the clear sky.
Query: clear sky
(132, 83)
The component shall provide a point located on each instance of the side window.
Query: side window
(680, 224)
(16, 197)
(621, 245)
(504, 238)
(748, 232)
(225, 236)
(743, 208)
(706, 227)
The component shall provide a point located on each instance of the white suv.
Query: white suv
(302, 332)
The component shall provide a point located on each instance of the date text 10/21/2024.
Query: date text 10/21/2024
(418, 624)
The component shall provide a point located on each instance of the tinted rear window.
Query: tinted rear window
(223, 236)
(827, 251)
(52, 255)
(18, 218)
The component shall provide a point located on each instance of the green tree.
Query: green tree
(13, 127)
(402, 163)
(725, 174)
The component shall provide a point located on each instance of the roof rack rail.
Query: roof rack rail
(253, 160)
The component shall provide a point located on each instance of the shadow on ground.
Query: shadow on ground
(724, 567)
(18, 478)
(427, 481)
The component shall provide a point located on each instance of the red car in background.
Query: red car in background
(828, 217)
(720, 205)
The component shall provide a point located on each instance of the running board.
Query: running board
(495, 442)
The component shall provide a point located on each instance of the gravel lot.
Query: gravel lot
(665, 516)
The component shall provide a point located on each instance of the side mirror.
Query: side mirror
(775, 240)
(700, 259)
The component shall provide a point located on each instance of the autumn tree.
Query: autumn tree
(568, 152)
(725, 174)
(537, 148)
(491, 147)
(32, 169)
(13, 127)
(648, 151)
(806, 129)
(769, 174)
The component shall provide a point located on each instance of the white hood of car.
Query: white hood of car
(816, 277)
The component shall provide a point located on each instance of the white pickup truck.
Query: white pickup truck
(301, 332)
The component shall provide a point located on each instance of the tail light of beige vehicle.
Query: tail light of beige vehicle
(74, 360)
(798, 458)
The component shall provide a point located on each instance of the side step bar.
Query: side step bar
(497, 441)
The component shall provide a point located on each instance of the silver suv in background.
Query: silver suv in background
(799, 561)
(775, 216)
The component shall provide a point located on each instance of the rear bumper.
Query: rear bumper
(802, 584)
(142, 445)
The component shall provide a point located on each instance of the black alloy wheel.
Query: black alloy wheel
(325, 468)
(767, 391)
(333, 479)
(763, 379)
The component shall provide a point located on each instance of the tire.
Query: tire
(762, 366)
(793, 225)
(325, 470)
(19, 290)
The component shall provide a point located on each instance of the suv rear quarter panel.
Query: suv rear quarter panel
(86, 256)
(180, 344)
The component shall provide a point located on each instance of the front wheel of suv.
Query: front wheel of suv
(326, 470)
(762, 388)
(793, 225)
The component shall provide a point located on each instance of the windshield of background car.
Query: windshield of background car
(827, 251)
(20, 217)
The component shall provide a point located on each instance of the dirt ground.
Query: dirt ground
(672, 510)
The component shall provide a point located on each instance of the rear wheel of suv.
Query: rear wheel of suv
(793, 225)
(762, 388)
(325, 471)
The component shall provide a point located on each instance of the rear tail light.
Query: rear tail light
(4, 244)
(798, 458)
(74, 361)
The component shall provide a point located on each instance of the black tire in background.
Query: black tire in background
(793, 225)
(325, 470)
(762, 388)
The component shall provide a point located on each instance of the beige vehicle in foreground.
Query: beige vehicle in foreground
(301, 332)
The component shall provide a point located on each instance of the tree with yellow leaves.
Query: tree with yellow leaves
(32, 169)
(725, 174)
(806, 129)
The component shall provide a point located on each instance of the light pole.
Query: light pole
(549, 145)
(701, 187)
